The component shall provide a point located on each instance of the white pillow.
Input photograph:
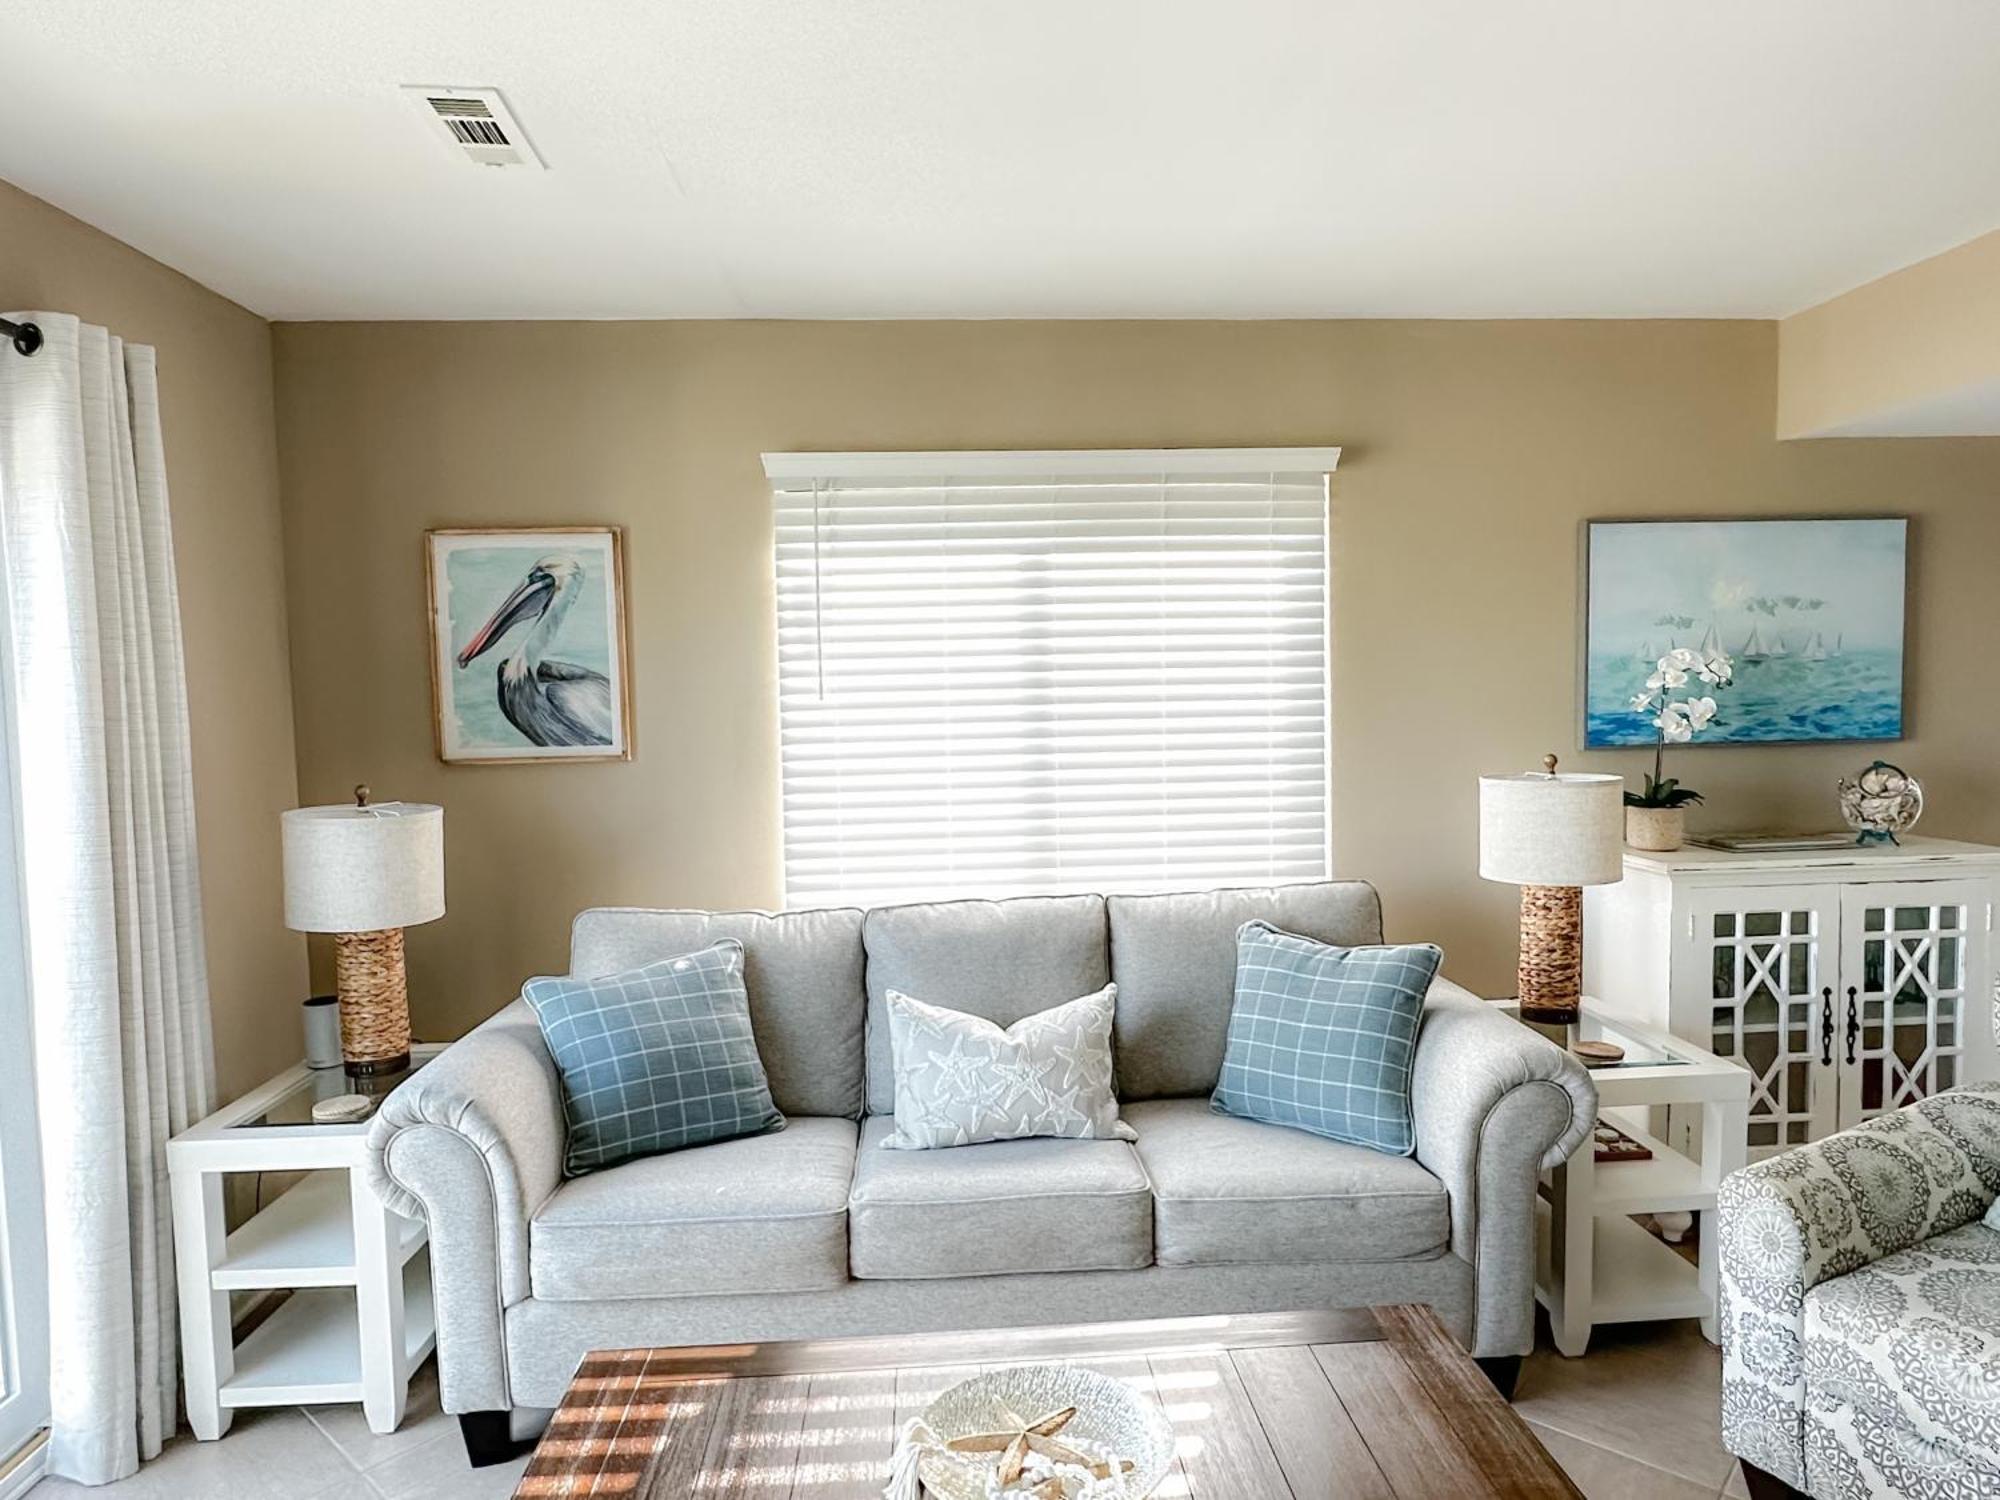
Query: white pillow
(960, 1079)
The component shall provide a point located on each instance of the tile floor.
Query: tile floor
(1633, 1420)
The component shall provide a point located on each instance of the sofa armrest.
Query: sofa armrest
(1816, 1212)
(1495, 1102)
(473, 1144)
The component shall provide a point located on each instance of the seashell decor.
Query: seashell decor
(1037, 1432)
(1881, 802)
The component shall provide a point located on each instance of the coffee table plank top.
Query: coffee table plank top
(1362, 1404)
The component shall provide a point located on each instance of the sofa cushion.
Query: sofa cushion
(998, 959)
(1231, 1192)
(1174, 959)
(1910, 1344)
(761, 1214)
(803, 971)
(1034, 1205)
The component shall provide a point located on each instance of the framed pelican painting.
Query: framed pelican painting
(528, 644)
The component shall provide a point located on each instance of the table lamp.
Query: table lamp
(364, 871)
(1551, 835)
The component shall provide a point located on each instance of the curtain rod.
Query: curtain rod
(27, 337)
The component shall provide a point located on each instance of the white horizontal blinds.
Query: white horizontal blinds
(1014, 683)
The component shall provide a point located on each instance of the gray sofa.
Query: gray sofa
(1861, 1309)
(812, 1232)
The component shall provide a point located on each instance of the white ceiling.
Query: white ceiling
(1020, 158)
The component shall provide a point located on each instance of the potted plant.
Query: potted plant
(1656, 818)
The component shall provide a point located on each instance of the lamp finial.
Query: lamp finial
(1548, 765)
(361, 791)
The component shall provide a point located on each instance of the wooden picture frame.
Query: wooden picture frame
(543, 610)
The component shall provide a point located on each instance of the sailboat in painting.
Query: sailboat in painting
(1815, 649)
(1754, 648)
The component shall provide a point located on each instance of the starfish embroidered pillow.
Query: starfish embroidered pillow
(961, 1080)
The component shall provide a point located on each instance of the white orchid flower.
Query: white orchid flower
(1699, 711)
(1642, 701)
(1681, 656)
(1676, 731)
(1674, 677)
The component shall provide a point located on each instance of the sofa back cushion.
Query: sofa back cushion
(803, 970)
(1001, 960)
(1174, 960)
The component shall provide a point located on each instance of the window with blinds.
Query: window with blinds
(1010, 672)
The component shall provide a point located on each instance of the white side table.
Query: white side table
(360, 1321)
(1594, 1264)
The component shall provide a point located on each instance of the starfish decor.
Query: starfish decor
(1016, 1441)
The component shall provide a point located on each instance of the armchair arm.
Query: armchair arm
(1494, 1104)
(1816, 1212)
(473, 1144)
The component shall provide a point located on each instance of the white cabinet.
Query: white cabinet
(1849, 983)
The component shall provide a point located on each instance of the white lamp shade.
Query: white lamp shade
(363, 869)
(1552, 830)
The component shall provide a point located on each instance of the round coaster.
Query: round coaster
(1597, 1054)
(343, 1109)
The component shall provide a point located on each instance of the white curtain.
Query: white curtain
(112, 905)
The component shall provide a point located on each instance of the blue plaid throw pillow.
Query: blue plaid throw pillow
(656, 1058)
(1322, 1038)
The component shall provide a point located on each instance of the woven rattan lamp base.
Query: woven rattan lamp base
(374, 1000)
(1551, 976)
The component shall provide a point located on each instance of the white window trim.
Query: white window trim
(797, 471)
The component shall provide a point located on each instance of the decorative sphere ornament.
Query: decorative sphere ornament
(1881, 802)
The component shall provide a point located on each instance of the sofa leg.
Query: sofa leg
(489, 1438)
(1504, 1370)
(1764, 1486)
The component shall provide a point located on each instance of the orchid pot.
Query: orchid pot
(1657, 830)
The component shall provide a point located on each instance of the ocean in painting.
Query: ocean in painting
(1857, 695)
(1810, 612)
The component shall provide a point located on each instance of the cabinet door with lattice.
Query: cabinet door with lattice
(1914, 1018)
(1755, 983)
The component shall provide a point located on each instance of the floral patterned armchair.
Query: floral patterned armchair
(1861, 1308)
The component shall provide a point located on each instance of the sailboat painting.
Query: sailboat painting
(528, 645)
(1810, 611)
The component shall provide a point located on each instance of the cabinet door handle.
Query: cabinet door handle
(1826, 1027)
(1853, 1024)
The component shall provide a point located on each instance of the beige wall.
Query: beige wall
(222, 472)
(1917, 350)
(1473, 450)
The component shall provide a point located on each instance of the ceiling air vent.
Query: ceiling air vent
(477, 123)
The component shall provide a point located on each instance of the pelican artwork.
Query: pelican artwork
(551, 702)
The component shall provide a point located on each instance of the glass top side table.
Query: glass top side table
(1594, 1263)
(359, 1320)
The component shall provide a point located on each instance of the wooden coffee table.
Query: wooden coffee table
(1362, 1404)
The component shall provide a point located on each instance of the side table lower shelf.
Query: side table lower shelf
(309, 1350)
(1635, 1278)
